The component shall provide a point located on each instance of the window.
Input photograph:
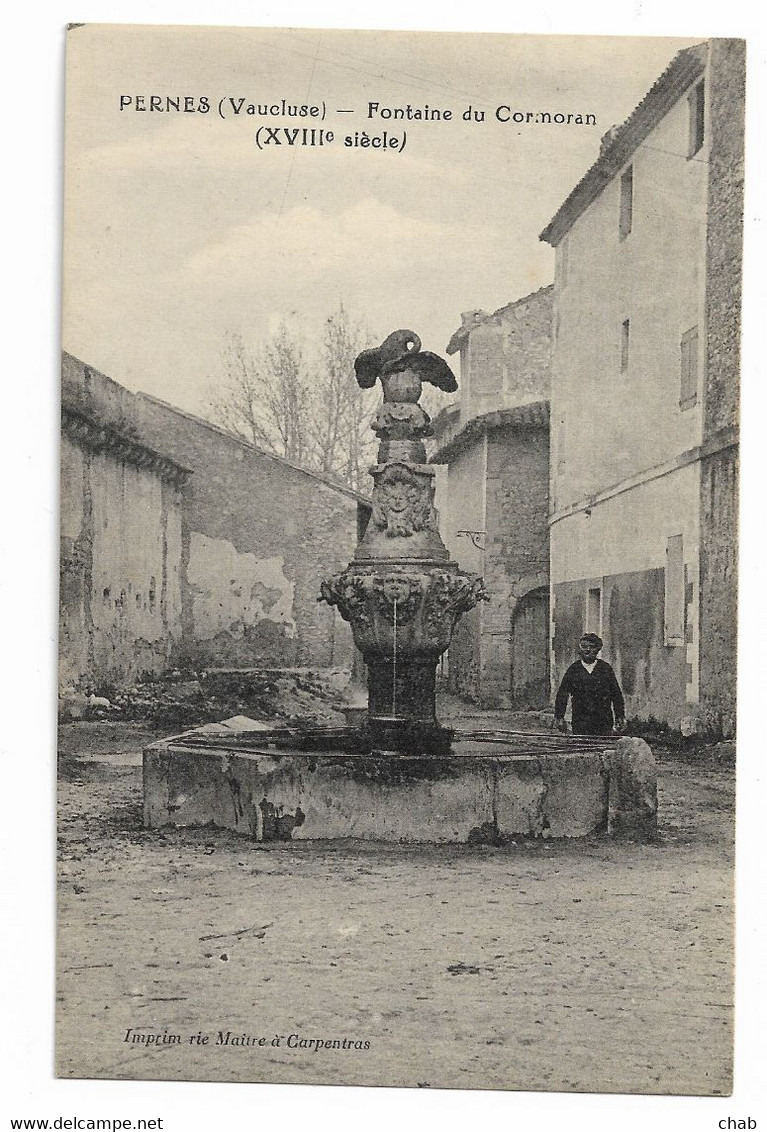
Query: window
(627, 202)
(697, 100)
(688, 385)
(673, 612)
(594, 610)
(625, 335)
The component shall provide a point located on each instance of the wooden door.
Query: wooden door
(530, 651)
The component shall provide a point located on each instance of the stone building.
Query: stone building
(494, 504)
(184, 546)
(644, 396)
(120, 522)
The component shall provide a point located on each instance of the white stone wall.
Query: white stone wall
(630, 529)
(608, 425)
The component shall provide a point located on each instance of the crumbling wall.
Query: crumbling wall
(258, 536)
(181, 545)
(120, 593)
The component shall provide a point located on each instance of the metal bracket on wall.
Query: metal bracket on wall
(475, 536)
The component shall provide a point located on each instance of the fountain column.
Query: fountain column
(402, 594)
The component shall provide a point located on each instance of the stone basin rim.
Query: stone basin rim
(264, 750)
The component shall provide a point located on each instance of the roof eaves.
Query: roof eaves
(530, 414)
(98, 435)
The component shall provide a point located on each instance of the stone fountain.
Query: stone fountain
(402, 594)
(400, 776)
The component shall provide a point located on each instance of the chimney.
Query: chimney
(471, 318)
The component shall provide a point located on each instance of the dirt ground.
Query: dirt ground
(588, 965)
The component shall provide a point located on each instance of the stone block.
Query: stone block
(519, 797)
(72, 706)
(467, 796)
(576, 789)
(632, 803)
(724, 752)
(552, 795)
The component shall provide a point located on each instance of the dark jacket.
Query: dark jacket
(594, 694)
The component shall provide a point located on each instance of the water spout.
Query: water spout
(394, 662)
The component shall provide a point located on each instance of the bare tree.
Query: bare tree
(343, 413)
(287, 384)
(310, 410)
(234, 402)
(265, 398)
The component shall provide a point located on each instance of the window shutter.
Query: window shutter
(674, 592)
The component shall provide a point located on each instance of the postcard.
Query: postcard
(398, 593)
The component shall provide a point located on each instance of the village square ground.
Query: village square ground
(584, 965)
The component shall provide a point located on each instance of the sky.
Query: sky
(179, 229)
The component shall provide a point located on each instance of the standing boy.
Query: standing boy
(591, 684)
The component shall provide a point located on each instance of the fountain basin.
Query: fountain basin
(479, 792)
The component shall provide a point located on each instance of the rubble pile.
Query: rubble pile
(180, 700)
